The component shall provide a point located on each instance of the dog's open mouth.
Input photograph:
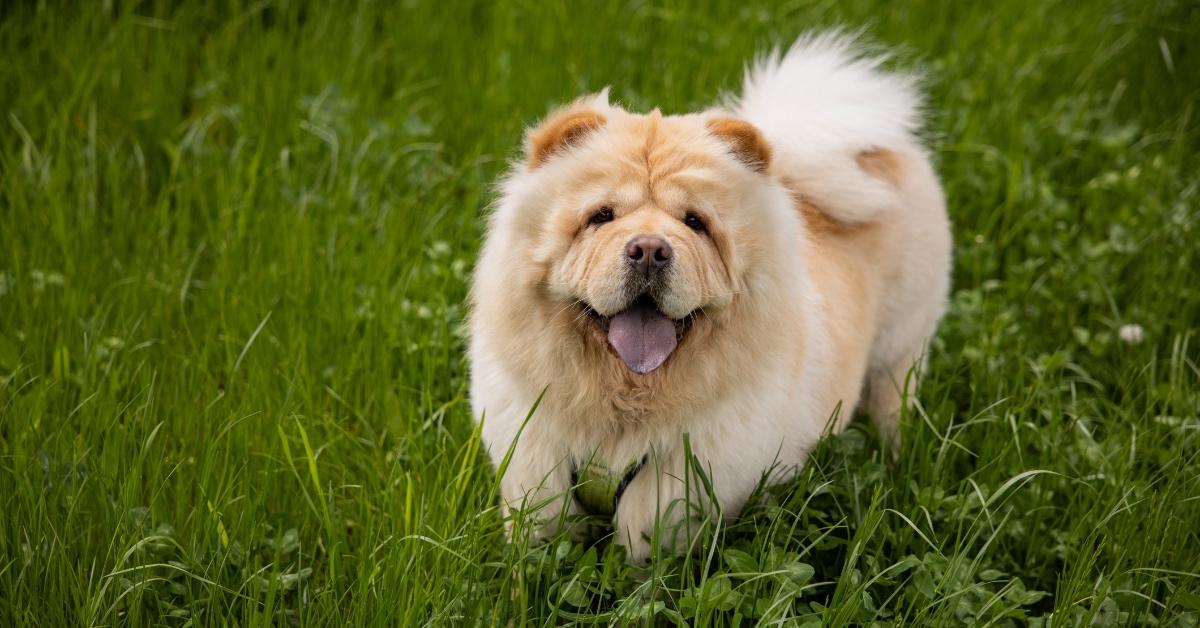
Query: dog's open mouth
(641, 334)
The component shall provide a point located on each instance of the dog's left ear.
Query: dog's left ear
(744, 140)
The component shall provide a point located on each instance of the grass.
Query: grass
(234, 247)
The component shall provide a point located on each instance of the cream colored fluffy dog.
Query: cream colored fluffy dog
(748, 276)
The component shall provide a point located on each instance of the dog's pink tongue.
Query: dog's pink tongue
(642, 336)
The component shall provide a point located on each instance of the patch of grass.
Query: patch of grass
(234, 247)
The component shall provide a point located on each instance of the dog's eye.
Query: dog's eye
(694, 221)
(602, 215)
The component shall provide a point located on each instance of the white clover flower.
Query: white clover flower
(1131, 334)
(39, 279)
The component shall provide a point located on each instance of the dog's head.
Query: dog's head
(637, 227)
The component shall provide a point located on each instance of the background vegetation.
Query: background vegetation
(235, 240)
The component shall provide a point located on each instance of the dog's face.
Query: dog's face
(642, 225)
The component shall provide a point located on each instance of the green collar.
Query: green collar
(598, 489)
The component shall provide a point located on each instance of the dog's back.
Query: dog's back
(843, 138)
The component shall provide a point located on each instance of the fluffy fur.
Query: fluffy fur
(812, 288)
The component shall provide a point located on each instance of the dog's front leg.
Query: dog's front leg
(680, 496)
(535, 481)
(668, 502)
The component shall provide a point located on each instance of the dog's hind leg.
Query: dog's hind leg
(889, 388)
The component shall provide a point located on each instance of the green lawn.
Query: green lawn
(234, 249)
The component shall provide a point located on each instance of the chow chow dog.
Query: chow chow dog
(694, 300)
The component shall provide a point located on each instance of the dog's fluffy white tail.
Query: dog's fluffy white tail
(822, 106)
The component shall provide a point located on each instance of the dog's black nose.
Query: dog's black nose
(648, 254)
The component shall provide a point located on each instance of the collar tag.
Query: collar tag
(598, 489)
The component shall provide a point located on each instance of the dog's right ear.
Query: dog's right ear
(562, 128)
